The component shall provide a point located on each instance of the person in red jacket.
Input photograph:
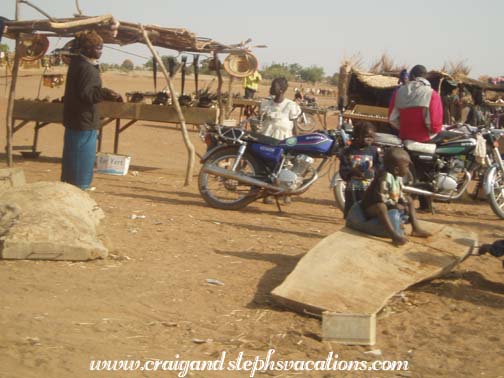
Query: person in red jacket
(416, 109)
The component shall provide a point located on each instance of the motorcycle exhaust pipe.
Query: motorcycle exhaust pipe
(412, 190)
(226, 173)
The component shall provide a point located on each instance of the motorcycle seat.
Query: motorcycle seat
(426, 148)
(446, 135)
(263, 139)
(388, 139)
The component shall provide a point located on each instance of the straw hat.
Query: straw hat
(241, 64)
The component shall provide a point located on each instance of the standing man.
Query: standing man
(83, 90)
(251, 83)
(416, 109)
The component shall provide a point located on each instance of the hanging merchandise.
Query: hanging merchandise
(33, 47)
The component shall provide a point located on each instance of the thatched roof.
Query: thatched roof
(117, 32)
(374, 80)
(377, 81)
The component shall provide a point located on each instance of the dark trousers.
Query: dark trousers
(351, 197)
(249, 93)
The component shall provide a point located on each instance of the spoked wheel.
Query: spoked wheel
(228, 194)
(306, 123)
(496, 195)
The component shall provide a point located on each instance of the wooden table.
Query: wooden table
(367, 113)
(45, 113)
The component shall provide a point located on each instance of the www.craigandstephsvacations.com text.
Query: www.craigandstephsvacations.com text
(251, 365)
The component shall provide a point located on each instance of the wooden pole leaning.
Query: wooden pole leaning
(190, 147)
(229, 103)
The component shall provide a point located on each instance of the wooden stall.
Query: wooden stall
(122, 115)
(120, 33)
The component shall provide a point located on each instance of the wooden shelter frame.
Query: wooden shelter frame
(121, 33)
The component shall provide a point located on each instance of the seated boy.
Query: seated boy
(384, 206)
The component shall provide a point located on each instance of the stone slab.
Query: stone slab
(351, 329)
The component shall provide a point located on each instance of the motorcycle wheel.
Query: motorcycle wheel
(306, 123)
(496, 196)
(228, 194)
(339, 193)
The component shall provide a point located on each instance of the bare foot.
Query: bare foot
(420, 233)
(399, 240)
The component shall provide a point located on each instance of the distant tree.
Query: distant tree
(312, 74)
(166, 59)
(109, 67)
(295, 69)
(277, 70)
(148, 65)
(127, 65)
(334, 79)
(4, 48)
(205, 67)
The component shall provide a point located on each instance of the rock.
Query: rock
(56, 221)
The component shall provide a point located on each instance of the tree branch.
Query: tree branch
(37, 9)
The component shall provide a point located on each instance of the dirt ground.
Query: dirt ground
(150, 298)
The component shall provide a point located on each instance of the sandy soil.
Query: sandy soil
(150, 299)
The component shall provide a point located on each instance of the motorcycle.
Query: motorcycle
(444, 167)
(242, 166)
(306, 123)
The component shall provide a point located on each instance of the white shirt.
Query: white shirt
(278, 118)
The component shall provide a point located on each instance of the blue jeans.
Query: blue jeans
(79, 154)
(356, 219)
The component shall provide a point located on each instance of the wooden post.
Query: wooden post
(12, 94)
(219, 87)
(196, 71)
(344, 77)
(190, 148)
(229, 103)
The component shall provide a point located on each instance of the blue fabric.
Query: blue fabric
(79, 154)
(356, 219)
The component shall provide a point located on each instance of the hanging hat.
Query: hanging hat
(241, 64)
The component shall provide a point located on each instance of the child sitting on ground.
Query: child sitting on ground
(384, 207)
(358, 164)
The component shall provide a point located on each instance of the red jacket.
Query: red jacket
(414, 121)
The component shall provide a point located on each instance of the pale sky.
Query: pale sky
(316, 32)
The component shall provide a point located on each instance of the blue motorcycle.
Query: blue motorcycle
(242, 166)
